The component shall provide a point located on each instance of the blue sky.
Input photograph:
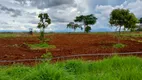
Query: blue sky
(20, 15)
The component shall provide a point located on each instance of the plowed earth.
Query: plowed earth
(66, 44)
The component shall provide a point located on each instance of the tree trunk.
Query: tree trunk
(116, 29)
(74, 30)
(118, 39)
(85, 27)
(42, 35)
(119, 29)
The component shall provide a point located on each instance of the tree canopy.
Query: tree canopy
(74, 26)
(44, 20)
(123, 17)
(87, 29)
(131, 22)
(86, 20)
(140, 20)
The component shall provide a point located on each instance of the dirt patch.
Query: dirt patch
(66, 44)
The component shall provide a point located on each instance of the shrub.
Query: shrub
(119, 45)
(47, 55)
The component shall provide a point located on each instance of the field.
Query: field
(71, 56)
(116, 68)
(93, 46)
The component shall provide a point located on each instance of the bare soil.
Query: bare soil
(66, 45)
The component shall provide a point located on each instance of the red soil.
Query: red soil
(66, 44)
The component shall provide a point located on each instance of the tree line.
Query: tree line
(118, 18)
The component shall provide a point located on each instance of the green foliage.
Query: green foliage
(140, 29)
(47, 55)
(122, 17)
(44, 22)
(7, 35)
(119, 45)
(140, 20)
(74, 26)
(86, 19)
(88, 29)
(41, 46)
(116, 68)
(131, 35)
(75, 67)
(131, 22)
(47, 72)
(13, 72)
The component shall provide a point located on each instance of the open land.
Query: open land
(67, 44)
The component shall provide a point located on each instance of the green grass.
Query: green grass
(41, 46)
(116, 68)
(7, 35)
(119, 45)
(131, 34)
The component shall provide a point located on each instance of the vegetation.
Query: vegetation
(139, 29)
(44, 22)
(47, 55)
(122, 17)
(86, 20)
(7, 35)
(140, 20)
(132, 34)
(41, 46)
(88, 29)
(119, 45)
(116, 68)
(74, 26)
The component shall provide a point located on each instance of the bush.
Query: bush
(88, 29)
(47, 56)
(119, 45)
(48, 72)
(41, 46)
(116, 68)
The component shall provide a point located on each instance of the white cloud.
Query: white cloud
(135, 7)
(63, 12)
(102, 12)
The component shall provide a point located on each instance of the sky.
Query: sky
(20, 15)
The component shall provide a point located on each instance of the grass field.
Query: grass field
(7, 35)
(41, 46)
(123, 34)
(116, 68)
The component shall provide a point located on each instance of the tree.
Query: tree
(86, 20)
(140, 25)
(140, 20)
(44, 22)
(88, 29)
(74, 26)
(123, 17)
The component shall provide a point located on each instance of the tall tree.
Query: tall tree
(122, 17)
(86, 20)
(73, 26)
(140, 20)
(43, 23)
